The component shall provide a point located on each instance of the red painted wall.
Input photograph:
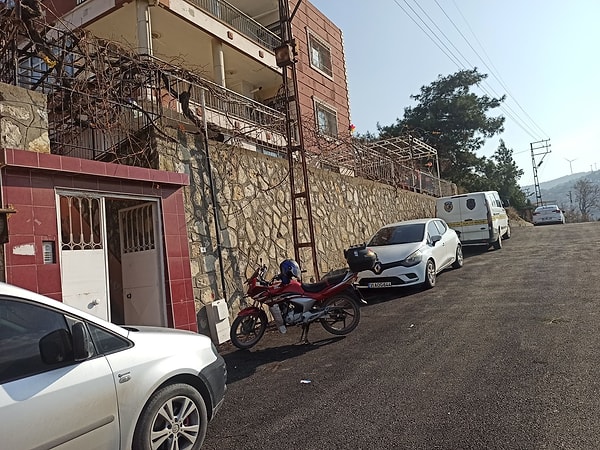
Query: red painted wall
(28, 183)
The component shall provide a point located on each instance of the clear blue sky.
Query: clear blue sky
(544, 54)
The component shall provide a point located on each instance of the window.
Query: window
(432, 230)
(441, 226)
(326, 119)
(107, 342)
(319, 55)
(22, 326)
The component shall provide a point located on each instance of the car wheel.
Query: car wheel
(507, 234)
(174, 417)
(458, 260)
(498, 244)
(430, 275)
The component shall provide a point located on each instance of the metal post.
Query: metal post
(213, 194)
(546, 146)
(297, 192)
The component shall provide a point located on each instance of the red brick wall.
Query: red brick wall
(28, 186)
(331, 91)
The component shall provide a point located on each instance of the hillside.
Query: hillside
(560, 190)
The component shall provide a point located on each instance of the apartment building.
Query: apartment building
(231, 45)
(108, 236)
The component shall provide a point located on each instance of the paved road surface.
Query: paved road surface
(501, 354)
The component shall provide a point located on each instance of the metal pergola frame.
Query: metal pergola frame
(403, 148)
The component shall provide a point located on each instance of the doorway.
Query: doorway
(111, 256)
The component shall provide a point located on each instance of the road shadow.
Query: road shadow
(243, 363)
(474, 250)
(386, 294)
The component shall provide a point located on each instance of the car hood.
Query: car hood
(165, 337)
(395, 252)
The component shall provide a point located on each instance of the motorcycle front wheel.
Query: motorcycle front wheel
(247, 330)
(343, 316)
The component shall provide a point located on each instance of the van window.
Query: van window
(497, 201)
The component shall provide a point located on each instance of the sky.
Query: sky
(544, 55)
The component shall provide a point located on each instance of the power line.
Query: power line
(435, 38)
(492, 70)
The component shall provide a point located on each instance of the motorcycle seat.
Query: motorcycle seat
(319, 286)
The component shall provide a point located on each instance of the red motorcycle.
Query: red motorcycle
(333, 301)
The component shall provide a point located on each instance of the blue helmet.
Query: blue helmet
(288, 269)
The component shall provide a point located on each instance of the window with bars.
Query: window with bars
(80, 223)
(319, 55)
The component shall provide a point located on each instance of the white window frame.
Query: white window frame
(316, 48)
(320, 106)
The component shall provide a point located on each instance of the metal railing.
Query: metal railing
(246, 25)
(103, 99)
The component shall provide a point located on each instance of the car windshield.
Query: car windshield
(399, 234)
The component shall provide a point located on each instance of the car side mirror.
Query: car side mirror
(435, 239)
(56, 347)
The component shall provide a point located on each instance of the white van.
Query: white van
(478, 217)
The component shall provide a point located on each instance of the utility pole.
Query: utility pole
(539, 145)
(302, 219)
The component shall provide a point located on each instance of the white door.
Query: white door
(143, 285)
(83, 253)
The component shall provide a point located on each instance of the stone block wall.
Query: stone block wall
(254, 210)
(23, 119)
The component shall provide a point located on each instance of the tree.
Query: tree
(503, 175)
(452, 119)
(587, 196)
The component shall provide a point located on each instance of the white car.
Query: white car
(69, 380)
(411, 253)
(548, 214)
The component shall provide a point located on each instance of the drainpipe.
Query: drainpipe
(144, 27)
(218, 62)
(213, 195)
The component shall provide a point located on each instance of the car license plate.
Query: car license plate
(380, 284)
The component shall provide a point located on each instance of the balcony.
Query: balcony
(229, 14)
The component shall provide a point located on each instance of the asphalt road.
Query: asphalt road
(501, 354)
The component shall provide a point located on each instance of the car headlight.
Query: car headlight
(413, 259)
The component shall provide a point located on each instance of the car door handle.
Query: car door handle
(124, 377)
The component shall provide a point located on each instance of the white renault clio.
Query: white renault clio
(410, 253)
(69, 380)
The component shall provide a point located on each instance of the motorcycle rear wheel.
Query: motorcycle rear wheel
(343, 316)
(247, 330)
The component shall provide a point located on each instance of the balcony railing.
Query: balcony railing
(219, 100)
(246, 25)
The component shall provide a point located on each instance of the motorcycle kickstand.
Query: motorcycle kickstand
(304, 336)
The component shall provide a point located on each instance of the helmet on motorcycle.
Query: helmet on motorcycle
(288, 269)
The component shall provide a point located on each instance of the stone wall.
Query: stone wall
(23, 119)
(254, 210)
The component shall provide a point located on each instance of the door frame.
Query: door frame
(107, 195)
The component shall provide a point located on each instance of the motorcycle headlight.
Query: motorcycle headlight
(413, 259)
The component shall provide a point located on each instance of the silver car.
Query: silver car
(69, 380)
(548, 214)
(411, 253)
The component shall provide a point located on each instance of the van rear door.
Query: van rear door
(472, 218)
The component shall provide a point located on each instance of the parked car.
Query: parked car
(548, 214)
(479, 218)
(411, 253)
(71, 380)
